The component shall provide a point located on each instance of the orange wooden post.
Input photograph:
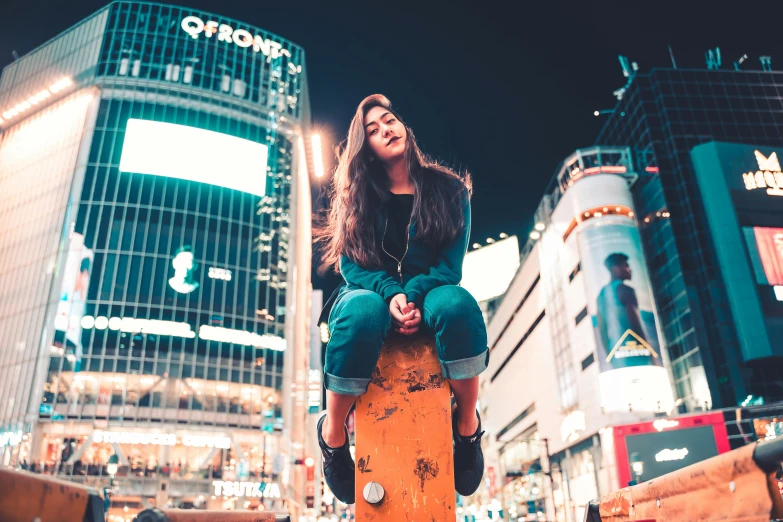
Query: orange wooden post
(403, 436)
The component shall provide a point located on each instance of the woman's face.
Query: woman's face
(386, 135)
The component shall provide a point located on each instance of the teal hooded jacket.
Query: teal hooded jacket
(423, 268)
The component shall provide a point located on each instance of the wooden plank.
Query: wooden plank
(729, 487)
(26, 496)
(193, 515)
(403, 436)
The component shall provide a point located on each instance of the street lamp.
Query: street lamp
(637, 466)
(111, 467)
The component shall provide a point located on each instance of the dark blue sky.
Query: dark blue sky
(505, 89)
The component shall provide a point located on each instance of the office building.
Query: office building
(155, 259)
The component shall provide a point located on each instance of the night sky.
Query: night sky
(505, 90)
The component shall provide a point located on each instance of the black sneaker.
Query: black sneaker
(338, 467)
(468, 459)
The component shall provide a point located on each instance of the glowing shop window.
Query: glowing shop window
(178, 151)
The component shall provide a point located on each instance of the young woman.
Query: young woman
(397, 231)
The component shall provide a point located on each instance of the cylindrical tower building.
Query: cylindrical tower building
(154, 258)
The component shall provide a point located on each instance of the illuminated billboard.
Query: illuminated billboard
(618, 296)
(620, 304)
(765, 246)
(73, 297)
(648, 450)
(182, 152)
(487, 272)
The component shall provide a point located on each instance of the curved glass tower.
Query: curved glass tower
(154, 211)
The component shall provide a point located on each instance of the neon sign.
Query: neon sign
(662, 424)
(668, 455)
(246, 489)
(769, 175)
(160, 439)
(195, 26)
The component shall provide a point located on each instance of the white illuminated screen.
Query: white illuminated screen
(178, 151)
(487, 272)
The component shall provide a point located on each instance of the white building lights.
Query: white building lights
(195, 26)
(133, 325)
(35, 99)
(10, 438)
(228, 335)
(127, 437)
(318, 155)
(223, 274)
(572, 426)
(175, 329)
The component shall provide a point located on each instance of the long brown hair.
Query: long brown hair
(360, 186)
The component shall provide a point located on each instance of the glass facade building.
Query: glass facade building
(663, 116)
(154, 210)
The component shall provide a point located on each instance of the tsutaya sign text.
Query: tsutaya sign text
(194, 26)
(246, 489)
(768, 176)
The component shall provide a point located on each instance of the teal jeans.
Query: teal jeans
(360, 322)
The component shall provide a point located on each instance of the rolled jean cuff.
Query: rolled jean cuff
(346, 385)
(466, 368)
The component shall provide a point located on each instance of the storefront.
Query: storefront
(189, 468)
(577, 478)
(523, 487)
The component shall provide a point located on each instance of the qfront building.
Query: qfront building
(155, 260)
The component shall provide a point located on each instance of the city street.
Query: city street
(322, 262)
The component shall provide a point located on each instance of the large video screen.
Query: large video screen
(765, 246)
(182, 152)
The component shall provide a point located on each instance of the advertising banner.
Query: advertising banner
(618, 296)
(73, 296)
(765, 246)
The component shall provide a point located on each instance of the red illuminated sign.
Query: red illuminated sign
(770, 245)
(662, 426)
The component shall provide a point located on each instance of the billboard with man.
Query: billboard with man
(618, 296)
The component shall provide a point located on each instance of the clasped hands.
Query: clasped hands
(406, 318)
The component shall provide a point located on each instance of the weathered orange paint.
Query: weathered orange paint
(403, 436)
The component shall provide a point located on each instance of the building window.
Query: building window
(575, 271)
(519, 345)
(519, 307)
(590, 359)
(581, 315)
(519, 418)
